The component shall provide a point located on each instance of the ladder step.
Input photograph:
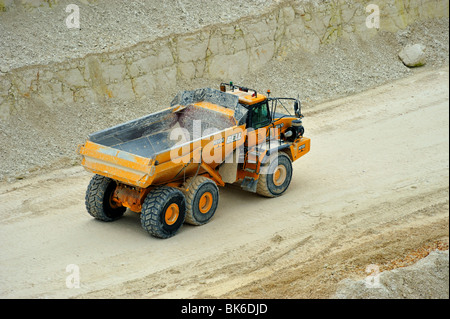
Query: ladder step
(249, 184)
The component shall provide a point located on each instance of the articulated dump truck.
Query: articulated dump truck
(168, 165)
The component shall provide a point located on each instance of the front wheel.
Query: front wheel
(276, 176)
(163, 212)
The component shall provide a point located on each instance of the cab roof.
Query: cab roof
(247, 98)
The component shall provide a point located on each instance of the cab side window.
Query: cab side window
(260, 116)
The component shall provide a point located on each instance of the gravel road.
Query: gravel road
(373, 187)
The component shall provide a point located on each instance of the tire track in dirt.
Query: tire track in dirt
(367, 193)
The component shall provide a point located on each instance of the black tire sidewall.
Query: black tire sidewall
(203, 218)
(110, 212)
(278, 190)
(177, 198)
(154, 210)
(97, 199)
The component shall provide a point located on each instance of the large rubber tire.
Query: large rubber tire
(202, 199)
(273, 186)
(163, 212)
(98, 199)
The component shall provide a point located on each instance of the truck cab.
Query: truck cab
(258, 114)
(271, 136)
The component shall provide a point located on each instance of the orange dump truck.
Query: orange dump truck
(168, 165)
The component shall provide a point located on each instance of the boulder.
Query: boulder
(413, 55)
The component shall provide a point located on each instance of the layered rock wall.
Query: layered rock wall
(221, 51)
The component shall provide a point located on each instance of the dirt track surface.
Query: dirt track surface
(373, 188)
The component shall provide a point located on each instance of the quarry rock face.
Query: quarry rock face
(223, 51)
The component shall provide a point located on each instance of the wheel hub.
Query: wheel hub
(279, 176)
(205, 202)
(171, 214)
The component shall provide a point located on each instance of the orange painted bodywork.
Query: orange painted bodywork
(252, 165)
(131, 197)
(170, 166)
(299, 148)
(119, 165)
(246, 98)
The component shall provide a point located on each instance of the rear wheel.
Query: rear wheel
(202, 199)
(276, 177)
(99, 203)
(163, 212)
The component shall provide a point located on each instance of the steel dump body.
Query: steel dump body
(171, 144)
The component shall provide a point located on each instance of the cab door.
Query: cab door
(257, 123)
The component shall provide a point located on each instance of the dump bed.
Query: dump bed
(167, 145)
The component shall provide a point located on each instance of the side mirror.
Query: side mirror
(297, 109)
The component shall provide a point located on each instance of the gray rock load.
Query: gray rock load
(413, 55)
(427, 279)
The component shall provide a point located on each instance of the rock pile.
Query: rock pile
(427, 279)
